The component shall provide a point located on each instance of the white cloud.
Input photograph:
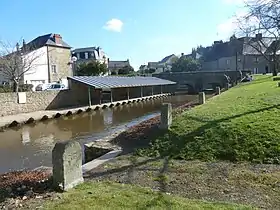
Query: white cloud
(114, 25)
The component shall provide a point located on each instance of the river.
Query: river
(30, 146)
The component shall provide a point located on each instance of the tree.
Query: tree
(125, 70)
(263, 17)
(91, 68)
(16, 61)
(184, 64)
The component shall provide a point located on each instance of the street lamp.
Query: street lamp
(73, 61)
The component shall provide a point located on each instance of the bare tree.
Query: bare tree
(263, 17)
(16, 61)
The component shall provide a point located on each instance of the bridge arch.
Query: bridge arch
(186, 86)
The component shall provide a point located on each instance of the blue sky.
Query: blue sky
(138, 30)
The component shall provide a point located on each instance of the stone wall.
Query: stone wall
(59, 57)
(44, 100)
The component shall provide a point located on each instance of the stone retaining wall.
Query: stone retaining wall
(43, 100)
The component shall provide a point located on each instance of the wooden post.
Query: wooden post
(161, 89)
(89, 96)
(141, 92)
(152, 90)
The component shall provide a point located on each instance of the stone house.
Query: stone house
(50, 60)
(244, 53)
(115, 66)
(90, 53)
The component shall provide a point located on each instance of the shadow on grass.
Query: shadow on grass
(214, 122)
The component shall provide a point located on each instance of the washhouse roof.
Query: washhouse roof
(99, 82)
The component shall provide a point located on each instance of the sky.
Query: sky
(138, 30)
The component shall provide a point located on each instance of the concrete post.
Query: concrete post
(67, 165)
(201, 98)
(218, 90)
(166, 116)
(227, 86)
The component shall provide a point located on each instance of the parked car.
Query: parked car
(42, 87)
(50, 86)
(57, 86)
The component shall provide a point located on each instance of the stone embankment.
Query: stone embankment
(27, 118)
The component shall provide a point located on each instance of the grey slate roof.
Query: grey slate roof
(85, 49)
(44, 40)
(164, 60)
(118, 82)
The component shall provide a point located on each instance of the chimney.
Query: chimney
(182, 54)
(57, 38)
(23, 45)
(259, 36)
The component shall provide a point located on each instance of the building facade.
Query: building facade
(49, 61)
(246, 53)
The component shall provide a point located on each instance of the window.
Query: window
(82, 55)
(228, 62)
(54, 70)
(257, 59)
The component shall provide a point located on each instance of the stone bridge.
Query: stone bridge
(201, 80)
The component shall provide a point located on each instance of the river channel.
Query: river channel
(29, 147)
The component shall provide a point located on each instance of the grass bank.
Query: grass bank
(103, 195)
(242, 124)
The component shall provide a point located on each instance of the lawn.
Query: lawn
(106, 195)
(241, 124)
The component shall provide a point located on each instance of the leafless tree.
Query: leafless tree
(16, 61)
(263, 17)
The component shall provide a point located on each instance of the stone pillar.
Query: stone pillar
(166, 116)
(67, 165)
(201, 98)
(218, 90)
(227, 86)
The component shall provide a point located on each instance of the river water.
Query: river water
(29, 147)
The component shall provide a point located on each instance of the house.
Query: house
(90, 53)
(50, 57)
(164, 65)
(114, 66)
(245, 53)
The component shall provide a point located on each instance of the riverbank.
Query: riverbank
(229, 119)
(31, 117)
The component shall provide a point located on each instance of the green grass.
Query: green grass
(103, 195)
(242, 124)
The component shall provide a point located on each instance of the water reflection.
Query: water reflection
(30, 146)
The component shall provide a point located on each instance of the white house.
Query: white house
(48, 60)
